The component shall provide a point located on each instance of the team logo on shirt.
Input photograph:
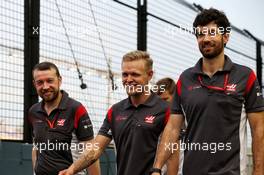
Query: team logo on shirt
(190, 88)
(231, 87)
(120, 118)
(61, 122)
(149, 119)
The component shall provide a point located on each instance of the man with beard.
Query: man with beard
(56, 121)
(134, 123)
(215, 97)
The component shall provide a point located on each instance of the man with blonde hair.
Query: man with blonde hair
(134, 123)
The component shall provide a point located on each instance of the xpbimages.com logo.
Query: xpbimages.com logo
(147, 89)
(61, 146)
(172, 31)
(204, 146)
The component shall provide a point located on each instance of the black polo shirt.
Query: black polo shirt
(136, 132)
(53, 134)
(215, 113)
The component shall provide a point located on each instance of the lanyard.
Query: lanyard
(216, 88)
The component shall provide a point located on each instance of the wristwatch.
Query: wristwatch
(154, 170)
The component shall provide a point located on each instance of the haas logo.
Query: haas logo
(231, 87)
(150, 119)
(60, 122)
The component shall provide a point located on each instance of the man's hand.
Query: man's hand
(155, 174)
(89, 156)
(66, 172)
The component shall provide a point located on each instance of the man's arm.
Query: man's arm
(174, 161)
(256, 121)
(93, 169)
(169, 137)
(89, 156)
(34, 158)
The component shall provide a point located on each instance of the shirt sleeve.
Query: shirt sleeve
(82, 124)
(253, 96)
(105, 129)
(176, 102)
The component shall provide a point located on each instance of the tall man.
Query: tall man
(216, 97)
(134, 123)
(56, 121)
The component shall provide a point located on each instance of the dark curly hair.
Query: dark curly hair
(212, 15)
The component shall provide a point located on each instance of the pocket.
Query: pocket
(145, 125)
(60, 135)
(147, 128)
(149, 132)
(229, 100)
(230, 107)
(152, 125)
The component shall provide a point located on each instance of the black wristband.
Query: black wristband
(154, 170)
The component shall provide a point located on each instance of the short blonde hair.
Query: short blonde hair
(139, 55)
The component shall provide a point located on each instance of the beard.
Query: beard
(51, 97)
(211, 50)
